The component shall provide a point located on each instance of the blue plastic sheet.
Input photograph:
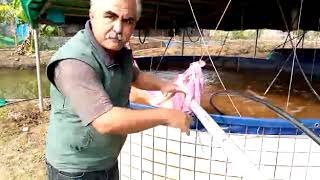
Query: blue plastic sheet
(249, 125)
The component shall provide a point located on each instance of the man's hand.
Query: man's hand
(149, 82)
(179, 119)
(170, 89)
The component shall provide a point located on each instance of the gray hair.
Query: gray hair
(93, 4)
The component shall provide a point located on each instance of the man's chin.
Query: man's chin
(113, 46)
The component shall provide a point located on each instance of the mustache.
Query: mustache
(114, 35)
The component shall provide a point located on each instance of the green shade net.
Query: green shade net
(32, 9)
(3, 102)
(8, 41)
(55, 10)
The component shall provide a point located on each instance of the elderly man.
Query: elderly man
(91, 77)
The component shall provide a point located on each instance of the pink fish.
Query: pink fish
(191, 82)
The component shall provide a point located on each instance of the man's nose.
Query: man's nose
(118, 26)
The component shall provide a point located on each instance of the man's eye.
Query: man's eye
(110, 17)
(129, 21)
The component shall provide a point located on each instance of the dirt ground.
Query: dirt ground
(23, 127)
(23, 130)
(8, 59)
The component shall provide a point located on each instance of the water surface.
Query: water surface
(303, 104)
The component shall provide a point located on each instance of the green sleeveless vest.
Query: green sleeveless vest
(73, 146)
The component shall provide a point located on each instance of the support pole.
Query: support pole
(37, 54)
(182, 48)
(237, 156)
(256, 44)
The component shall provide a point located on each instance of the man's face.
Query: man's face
(113, 22)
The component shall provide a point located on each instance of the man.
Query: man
(91, 77)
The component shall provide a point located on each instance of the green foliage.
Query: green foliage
(219, 35)
(312, 36)
(8, 12)
(237, 35)
(12, 14)
(48, 31)
(247, 34)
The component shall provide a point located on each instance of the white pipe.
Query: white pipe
(37, 53)
(233, 152)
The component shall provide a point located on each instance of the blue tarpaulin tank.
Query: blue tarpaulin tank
(22, 31)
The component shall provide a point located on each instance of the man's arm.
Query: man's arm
(148, 81)
(95, 108)
(126, 121)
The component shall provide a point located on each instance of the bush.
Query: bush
(247, 34)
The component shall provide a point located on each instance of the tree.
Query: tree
(11, 13)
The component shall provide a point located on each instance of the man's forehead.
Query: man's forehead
(117, 6)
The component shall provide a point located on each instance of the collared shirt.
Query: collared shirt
(78, 82)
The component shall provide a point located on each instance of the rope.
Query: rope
(157, 16)
(275, 78)
(304, 75)
(285, 41)
(151, 63)
(155, 28)
(164, 53)
(294, 57)
(315, 52)
(144, 38)
(275, 109)
(207, 49)
(223, 43)
(286, 61)
(293, 46)
(189, 36)
(306, 79)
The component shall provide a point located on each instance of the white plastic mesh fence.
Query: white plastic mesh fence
(165, 153)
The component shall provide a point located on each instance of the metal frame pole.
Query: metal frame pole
(183, 36)
(37, 54)
(256, 44)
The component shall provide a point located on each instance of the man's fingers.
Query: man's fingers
(188, 132)
(180, 91)
(189, 120)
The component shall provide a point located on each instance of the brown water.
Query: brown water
(21, 84)
(303, 103)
